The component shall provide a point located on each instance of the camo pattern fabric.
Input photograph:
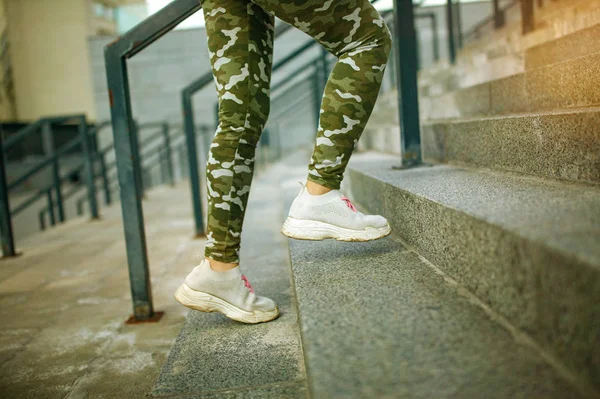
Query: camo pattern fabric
(240, 42)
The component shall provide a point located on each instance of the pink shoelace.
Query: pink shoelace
(347, 201)
(247, 283)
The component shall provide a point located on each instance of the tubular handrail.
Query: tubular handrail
(64, 149)
(41, 192)
(175, 135)
(34, 128)
(108, 180)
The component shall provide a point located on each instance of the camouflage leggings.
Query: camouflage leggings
(240, 43)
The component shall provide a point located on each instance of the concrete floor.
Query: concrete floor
(63, 304)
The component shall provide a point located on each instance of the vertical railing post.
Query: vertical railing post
(498, 15)
(115, 55)
(6, 229)
(406, 69)
(458, 22)
(436, 39)
(79, 206)
(216, 114)
(162, 165)
(527, 17)
(89, 167)
(192, 155)
(182, 163)
(418, 50)
(137, 158)
(131, 196)
(50, 151)
(317, 93)
(324, 68)
(451, 34)
(50, 202)
(104, 174)
(42, 220)
(168, 155)
(206, 139)
(392, 59)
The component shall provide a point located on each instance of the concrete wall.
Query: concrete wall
(50, 59)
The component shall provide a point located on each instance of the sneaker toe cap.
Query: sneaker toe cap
(265, 304)
(377, 221)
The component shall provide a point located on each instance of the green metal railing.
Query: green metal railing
(93, 161)
(163, 151)
(53, 191)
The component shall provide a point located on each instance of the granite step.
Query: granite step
(379, 321)
(572, 35)
(575, 45)
(215, 357)
(559, 86)
(526, 246)
(560, 145)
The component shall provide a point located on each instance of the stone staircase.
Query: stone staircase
(510, 208)
(358, 320)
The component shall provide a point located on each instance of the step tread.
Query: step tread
(525, 205)
(378, 322)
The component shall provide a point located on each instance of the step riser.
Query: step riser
(561, 146)
(565, 85)
(551, 298)
(568, 47)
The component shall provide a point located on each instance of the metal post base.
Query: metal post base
(153, 319)
(411, 159)
(7, 257)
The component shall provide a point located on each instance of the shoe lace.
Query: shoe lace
(247, 283)
(349, 204)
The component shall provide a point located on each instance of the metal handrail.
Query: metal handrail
(44, 126)
(34, 128)
(112, 166)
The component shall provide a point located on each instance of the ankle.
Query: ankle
(316, 189)
(217, 266)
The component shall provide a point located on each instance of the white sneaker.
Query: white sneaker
(331, 215)
(227, 292)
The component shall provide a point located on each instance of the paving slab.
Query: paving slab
(64, 302)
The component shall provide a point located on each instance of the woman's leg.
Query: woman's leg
(353, 31)
(240, 43)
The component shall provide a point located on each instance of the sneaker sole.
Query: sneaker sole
(317, 231)
(208, 303)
